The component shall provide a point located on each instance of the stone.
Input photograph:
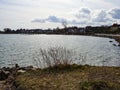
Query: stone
(21, 71)
(110, 41)
(119, 45)
(28, 67)
(114, 45)
(4, 75)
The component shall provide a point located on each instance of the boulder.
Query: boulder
(114, 45)
(28, 68)
(4, 75)
(21, 71)
(110, 41)
(119, 45)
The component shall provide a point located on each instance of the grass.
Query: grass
(70, 77)
(99, 85)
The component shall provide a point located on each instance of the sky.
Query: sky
(32, 14)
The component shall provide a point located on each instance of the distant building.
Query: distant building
(81, 30)
(114, 27)
(70, 30)
(75, 30)
(88, 29)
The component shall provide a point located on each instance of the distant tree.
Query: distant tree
(0, 31)
(64, 24)
(7, 30)
(57, 28)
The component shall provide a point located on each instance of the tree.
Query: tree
(64, 24)
(7, 30)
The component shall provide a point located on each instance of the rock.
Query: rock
(7, 73)
(119, 45)
(26, 68)
(21, 71)
(4, 74)
(6, 68)
(114, 45)
(34, 69)
(110, 41)
(2, 85)
(10, 81)
(29, 68)
(22, 68)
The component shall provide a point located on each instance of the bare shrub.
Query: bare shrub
(55, 56)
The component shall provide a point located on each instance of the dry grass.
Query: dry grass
(56, 56)
(53, 57)
(73, 77)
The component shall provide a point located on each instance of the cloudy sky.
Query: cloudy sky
(16, 14)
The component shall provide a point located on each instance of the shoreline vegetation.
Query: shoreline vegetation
(61, 77)
(67, 30)
(59, 73)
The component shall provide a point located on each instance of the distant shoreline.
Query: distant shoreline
(114, 36)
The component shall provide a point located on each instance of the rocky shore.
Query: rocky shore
(116, 37)
(8, 75)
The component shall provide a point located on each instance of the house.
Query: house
(114, 27)
(70, 30)
(81, 30)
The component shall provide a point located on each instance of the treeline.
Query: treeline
(113, 29)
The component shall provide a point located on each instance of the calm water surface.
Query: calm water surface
(22, 48)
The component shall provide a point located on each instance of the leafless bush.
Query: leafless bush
(56, 56)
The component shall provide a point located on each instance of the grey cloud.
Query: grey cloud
(115, 13)
(74, 22)
(53, 19)
(102, 16)
(83, 13)
(39, 20)
(85, 10)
